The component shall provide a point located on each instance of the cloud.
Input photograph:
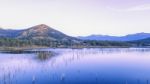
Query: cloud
(144, 7)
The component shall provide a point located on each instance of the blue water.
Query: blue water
(78, 66)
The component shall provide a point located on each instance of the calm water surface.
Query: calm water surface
(78, 66)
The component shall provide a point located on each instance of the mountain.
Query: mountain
(43, 31)
(129, 37)
(37, 32)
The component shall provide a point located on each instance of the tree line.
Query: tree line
(9, 42)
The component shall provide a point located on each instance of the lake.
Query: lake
(77, 66)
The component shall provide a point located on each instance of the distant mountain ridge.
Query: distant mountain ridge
(129, 37)
(9, 33)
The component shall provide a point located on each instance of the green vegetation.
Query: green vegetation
(18, 44)
(141, 43)
(8, 42)
(12, 44)
(106, 43)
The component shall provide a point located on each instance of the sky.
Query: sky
(78, 17)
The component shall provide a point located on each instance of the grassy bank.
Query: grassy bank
(15, 49)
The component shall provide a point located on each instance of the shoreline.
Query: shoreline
(43, 47)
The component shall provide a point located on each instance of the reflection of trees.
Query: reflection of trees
(44, 55)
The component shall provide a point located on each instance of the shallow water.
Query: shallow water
(78, 66)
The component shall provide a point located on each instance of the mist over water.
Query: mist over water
(77, 66)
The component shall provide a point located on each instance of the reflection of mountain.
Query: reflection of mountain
(129, 37)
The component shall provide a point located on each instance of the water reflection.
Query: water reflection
(77, 66)
(44, 55)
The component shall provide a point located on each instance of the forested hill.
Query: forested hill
(39, 35)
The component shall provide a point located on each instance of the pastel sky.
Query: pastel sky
(78, 17)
